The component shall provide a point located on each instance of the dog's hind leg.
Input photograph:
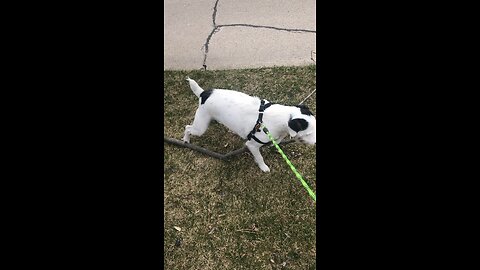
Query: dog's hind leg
(199, 126)
(255, 150)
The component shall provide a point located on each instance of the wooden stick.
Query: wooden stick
(308, 96)
(194, 147)
(236, 152)
(211, 153)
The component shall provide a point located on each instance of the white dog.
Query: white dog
(244, 114)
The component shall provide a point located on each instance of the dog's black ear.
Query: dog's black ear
(304, 109)
(297, 125)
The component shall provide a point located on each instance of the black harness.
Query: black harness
(256, 129)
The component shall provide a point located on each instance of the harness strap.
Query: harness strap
(257, 126)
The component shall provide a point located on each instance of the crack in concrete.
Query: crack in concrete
(205, 52)
(269, 27)
(214, 16)
(217, 28)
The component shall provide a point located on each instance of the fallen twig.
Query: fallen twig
(308, 96)
(209, 152)
(246, 231)
(194, 147)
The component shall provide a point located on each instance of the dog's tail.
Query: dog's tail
(197, 90)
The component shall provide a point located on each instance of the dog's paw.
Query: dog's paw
(186, 140)
(264, 168)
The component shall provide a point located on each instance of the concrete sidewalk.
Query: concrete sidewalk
(228, 34)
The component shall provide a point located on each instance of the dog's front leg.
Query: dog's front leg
(199, 126)
(255, 150)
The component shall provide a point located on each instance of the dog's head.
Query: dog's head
(302, 125)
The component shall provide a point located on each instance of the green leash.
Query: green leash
(299, 176)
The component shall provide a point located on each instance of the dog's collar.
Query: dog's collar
(257, 126)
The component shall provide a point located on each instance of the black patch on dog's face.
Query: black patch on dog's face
(205, 94)
(298, 124)
(304, 109)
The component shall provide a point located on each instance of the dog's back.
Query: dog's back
(231, 108)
